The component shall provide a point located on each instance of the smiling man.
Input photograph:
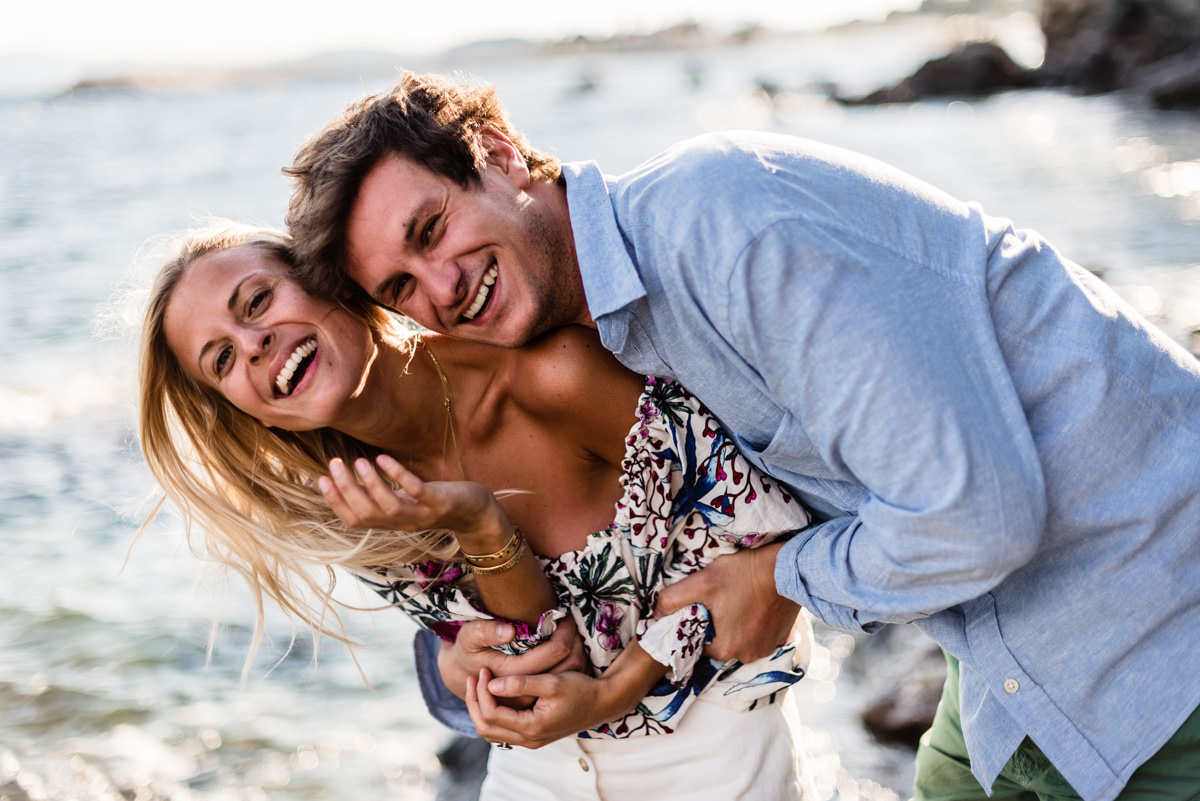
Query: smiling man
(1001, 451)
(422, 242)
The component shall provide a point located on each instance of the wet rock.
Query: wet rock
(1100, 46)
(1150, 48)
(902, 685)
(1174, 83)
(975, 69)
(464, 763)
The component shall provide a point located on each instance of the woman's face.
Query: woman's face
(239, 324)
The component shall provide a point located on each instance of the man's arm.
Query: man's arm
(890, 378)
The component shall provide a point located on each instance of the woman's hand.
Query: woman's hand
(515, 589)
(363, 499)
(475, 649)
(565, 703)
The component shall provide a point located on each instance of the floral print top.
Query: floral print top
(689, 496)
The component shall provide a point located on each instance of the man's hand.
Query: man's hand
(473, 651)
(750, 618)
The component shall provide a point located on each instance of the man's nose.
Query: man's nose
(444, 282)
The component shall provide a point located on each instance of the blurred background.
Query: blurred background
(122, 122)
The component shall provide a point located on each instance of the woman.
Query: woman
(252, 389)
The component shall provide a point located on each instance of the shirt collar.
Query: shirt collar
(610, 278)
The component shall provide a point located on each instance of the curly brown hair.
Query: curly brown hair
(432, 119)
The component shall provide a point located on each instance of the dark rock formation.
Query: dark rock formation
(1147, 47)
(902, 673)
(464, 764)
(974, 70)
(1104, 45)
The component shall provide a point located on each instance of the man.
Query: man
(1002, 452)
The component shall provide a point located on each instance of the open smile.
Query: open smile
(295, 367)
(483, 295)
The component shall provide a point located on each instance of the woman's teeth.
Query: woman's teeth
(284, 379)
(485, 290)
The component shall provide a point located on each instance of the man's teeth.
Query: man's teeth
(283, 380)
(485, 289)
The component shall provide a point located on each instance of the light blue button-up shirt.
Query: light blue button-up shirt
(1007, 454)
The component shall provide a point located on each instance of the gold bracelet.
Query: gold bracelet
(508, 550)
(503, 566)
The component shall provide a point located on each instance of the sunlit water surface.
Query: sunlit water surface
(105, 683)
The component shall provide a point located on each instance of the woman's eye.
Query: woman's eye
(222, 361)
(257, 301)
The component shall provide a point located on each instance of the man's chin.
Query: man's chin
(509, 335)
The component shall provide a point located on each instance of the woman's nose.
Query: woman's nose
(257, 344)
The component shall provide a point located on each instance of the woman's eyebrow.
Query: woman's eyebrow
(231, 304)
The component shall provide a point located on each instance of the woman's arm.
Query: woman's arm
(509, 578)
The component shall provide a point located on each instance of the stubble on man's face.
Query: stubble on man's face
(556, 289)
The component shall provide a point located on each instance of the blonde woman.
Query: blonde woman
(541, 485)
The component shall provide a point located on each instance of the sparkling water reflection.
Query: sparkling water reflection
(107, 689)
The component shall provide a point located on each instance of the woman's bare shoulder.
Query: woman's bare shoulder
(570, 366)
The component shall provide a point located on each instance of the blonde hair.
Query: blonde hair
(252, 490)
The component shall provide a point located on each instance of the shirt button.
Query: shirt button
(1011, 686)
(583, 765)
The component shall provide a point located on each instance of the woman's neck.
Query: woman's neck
(415, 399)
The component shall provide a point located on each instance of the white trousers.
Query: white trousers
(716, 754)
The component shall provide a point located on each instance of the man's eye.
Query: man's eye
(429, 229)
(400, 288)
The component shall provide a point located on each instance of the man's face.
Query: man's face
(493, 263)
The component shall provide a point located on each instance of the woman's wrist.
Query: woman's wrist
(500, 561)
(629, 679)
(488, 540)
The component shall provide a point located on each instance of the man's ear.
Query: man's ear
(503, 156)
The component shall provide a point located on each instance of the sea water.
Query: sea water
(107, 684)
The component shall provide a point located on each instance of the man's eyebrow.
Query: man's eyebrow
(382, 288)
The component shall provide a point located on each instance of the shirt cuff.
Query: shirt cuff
(676, 640)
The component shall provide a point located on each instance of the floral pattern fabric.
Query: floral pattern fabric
(688, 497)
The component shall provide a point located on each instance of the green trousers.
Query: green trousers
(944, 771)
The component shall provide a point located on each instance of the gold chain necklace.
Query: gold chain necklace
(451, 433)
